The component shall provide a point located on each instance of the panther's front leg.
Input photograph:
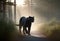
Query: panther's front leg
(25, 31)
(29, 28)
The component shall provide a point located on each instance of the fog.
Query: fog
(42, 10)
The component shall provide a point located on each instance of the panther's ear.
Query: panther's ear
(33, 16)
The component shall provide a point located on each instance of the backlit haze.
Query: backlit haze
(42, 10)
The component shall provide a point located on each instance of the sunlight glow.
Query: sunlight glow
(20, 2)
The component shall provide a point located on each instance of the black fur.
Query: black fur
(26, 23)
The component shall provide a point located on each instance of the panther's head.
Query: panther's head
(31, 19)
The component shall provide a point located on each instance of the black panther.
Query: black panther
(26, 23)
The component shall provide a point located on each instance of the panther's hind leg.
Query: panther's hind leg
(20, 29)
(24, 30)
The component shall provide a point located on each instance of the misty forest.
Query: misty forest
(29, 20)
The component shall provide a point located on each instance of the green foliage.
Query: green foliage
(52, 30)
(7, 30)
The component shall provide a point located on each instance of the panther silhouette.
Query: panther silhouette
(26, 23)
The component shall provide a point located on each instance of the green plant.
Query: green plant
(8, 31)
(52, 30)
